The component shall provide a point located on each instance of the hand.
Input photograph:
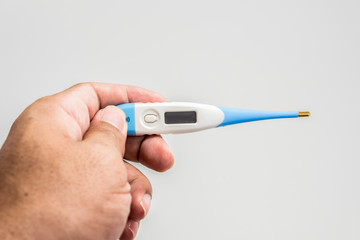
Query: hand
(62, 174)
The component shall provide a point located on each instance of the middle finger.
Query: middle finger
(151, 151)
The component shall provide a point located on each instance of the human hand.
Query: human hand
(62, 174)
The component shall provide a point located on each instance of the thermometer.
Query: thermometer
(184, 117)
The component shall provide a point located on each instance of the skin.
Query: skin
(62, 168)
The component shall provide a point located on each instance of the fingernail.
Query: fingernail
(115, 117)
(146, 202)
(133, 226)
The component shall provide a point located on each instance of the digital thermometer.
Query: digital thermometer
(184, 117)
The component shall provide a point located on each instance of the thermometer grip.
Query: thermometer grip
(170, 117)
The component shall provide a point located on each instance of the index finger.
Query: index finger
(82, 101)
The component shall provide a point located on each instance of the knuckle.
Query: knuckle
(111, 133)
(41, 101)
(83, 84)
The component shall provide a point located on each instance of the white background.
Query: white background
(281, 179)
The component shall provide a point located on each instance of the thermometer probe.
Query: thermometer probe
(184, 117)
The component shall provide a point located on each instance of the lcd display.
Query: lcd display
(180, 117)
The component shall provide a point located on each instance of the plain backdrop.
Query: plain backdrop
(281, 179)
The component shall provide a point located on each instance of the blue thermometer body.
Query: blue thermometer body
(185, 117)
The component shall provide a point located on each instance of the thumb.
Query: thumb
(108, 127)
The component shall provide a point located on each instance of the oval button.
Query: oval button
(150, 118)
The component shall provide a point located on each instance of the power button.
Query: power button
(151, 118)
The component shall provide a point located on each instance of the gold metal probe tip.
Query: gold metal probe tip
(304, 114)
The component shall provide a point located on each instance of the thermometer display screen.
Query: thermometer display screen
(180, 117)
